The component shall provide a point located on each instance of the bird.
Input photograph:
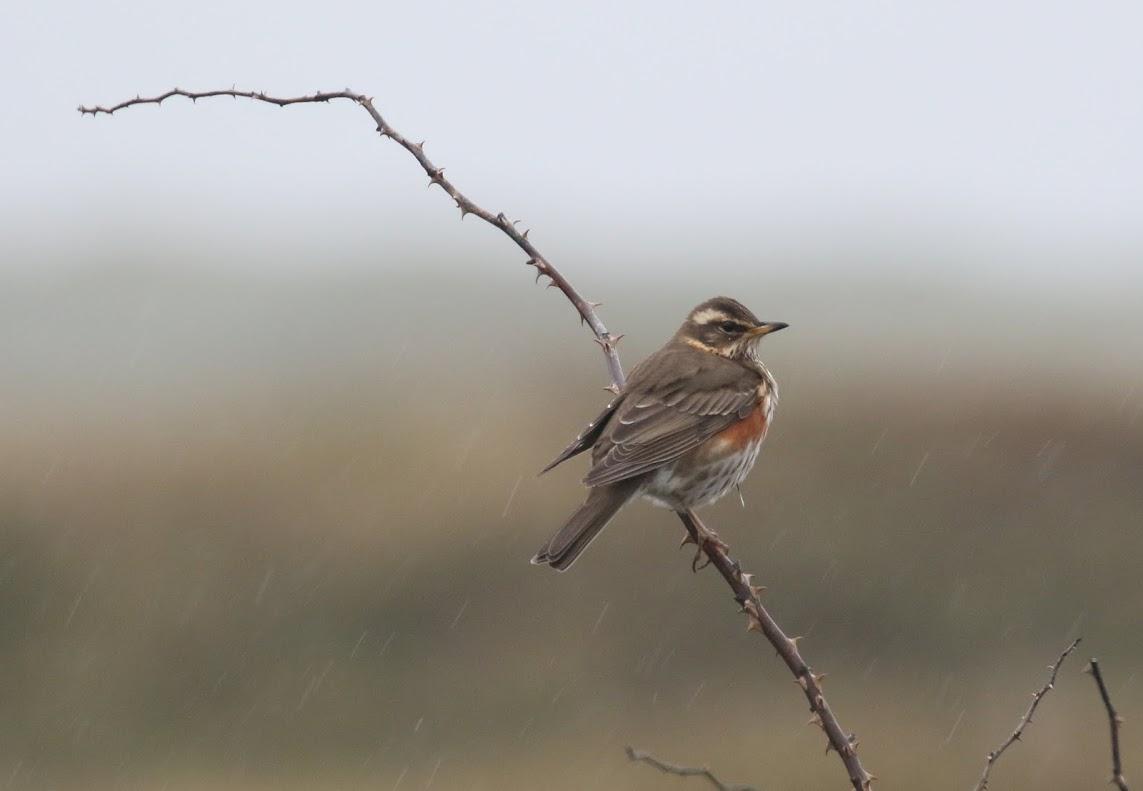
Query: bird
(682, 432)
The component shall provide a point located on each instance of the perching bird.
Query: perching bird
(685, 429)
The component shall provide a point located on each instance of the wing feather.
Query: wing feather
(587, 437)
(662, 420)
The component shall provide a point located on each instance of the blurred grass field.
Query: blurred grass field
(269, 528)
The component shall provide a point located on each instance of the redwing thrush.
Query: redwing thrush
(685, 429)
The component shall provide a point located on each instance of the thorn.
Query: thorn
(793, 641)
(829, 746)
(758, 590)
(688, 538)
(616, 339)
(612, 388)
(753, 624)
(815, 720)
(819, 678)
(595, 305)
(526, 230)
(745, 578)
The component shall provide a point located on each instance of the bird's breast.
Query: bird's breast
(745, 434)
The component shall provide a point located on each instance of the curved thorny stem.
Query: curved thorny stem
(586, 309)
(1026, 720)
(744, 593)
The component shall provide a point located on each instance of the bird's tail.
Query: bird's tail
(584, 525)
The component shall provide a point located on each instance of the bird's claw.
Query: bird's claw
(706, 538)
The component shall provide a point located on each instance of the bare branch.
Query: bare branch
(744, 593)
(584, 307)
(758, 619)
(1026, 720)
(1114, 721)
(684, 771)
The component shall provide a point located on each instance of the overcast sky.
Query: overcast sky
(1020, 120)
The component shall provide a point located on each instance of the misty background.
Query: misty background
(271, 415)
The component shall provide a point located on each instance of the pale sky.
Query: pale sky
(1012, 121)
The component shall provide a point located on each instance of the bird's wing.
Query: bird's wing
(658, 425)
(588, 436)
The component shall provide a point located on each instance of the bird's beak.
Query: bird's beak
(766, 327)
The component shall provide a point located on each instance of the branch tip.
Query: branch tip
(683, 771)
(1113, 721)
(1026, 720)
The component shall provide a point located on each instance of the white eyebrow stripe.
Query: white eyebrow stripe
(711, 315)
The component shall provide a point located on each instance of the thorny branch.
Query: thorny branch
(1114, 720)
(758, 619)
(607, 342)
(684, 771)
(1026, 720)
(747, 595)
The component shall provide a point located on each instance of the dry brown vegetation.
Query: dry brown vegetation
(265, 531)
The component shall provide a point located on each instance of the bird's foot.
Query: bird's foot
(707, 541)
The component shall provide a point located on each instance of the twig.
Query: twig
(747, 596)
(1114, 721)
(586, 309)
(684, 771)
(1026, 720)
(758, 619)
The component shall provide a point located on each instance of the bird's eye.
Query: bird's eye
(728, 326)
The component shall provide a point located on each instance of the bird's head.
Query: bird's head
(726, 327)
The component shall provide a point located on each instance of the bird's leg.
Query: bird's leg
(703, 537)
